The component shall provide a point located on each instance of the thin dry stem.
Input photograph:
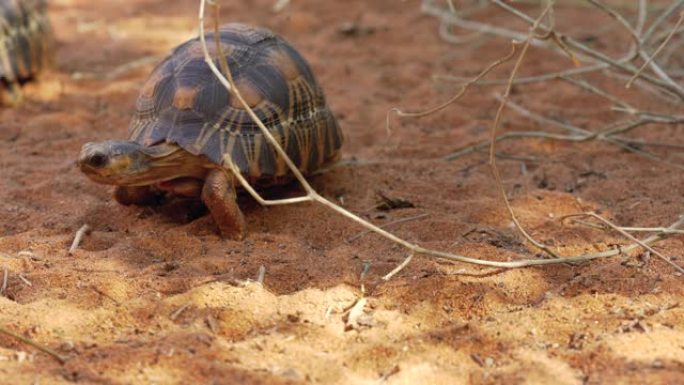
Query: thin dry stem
(228, 83)
(179, 311)
(638, 46)
(451, 5)
(386, 225)
(527, 79)
(657, 51)
(630, 237)
(399, 268)
(661, 19)
(261, 274)
(24, 280)
(642, 13)
(662, 230)
(666, 84)
(78, 237)
(606, 134)
(5, 276)
(36, 345)
(459, 94)
(495, 126)
(569, 46)
(355, 313)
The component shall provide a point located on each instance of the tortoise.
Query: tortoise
(26, 45)
(187, 128)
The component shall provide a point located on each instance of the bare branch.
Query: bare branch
(227, 81)
(657, 51)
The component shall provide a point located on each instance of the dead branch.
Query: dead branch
(386, 225)
(464, 88)
(77, 238)
(622, 64)
(311, 195)
(565, 44)
(657, 51)
(497, 123)
(630, 237)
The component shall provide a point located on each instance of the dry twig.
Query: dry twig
(261, 274)
(630, 237)
(24, 280)
(179, 311)
(657, 51)
(495, 126)
(355, 313)
(77, 238)
(4, 281)
(464, 88)
(225, 77)
(399, 268)
(36, 345)
(386, 225)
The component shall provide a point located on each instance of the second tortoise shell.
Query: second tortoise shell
(183, 102)
(25, 39)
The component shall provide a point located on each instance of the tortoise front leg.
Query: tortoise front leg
(219, 195)
(135, 195)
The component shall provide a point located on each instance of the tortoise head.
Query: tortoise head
(125, 163)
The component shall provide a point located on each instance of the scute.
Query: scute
(182, 102)
(251, 94)
(184, 99)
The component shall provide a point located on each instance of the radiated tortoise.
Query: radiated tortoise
(187, 126)
(25, 45)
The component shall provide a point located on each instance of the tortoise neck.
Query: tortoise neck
(168, 161)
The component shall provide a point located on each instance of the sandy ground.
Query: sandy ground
(154, 296)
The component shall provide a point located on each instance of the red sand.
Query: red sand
(153, 297)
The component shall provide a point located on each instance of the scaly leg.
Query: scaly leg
(219, 195)
(183, 187)
(135, 195)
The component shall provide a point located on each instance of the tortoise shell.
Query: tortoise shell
(25, 39)
(183, 102)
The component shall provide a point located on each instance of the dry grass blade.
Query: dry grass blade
(36, 345)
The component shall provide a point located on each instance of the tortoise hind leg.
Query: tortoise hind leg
(11, 95)
(220, 198)
(136, 195)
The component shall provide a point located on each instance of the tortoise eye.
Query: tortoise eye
(97, 160)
